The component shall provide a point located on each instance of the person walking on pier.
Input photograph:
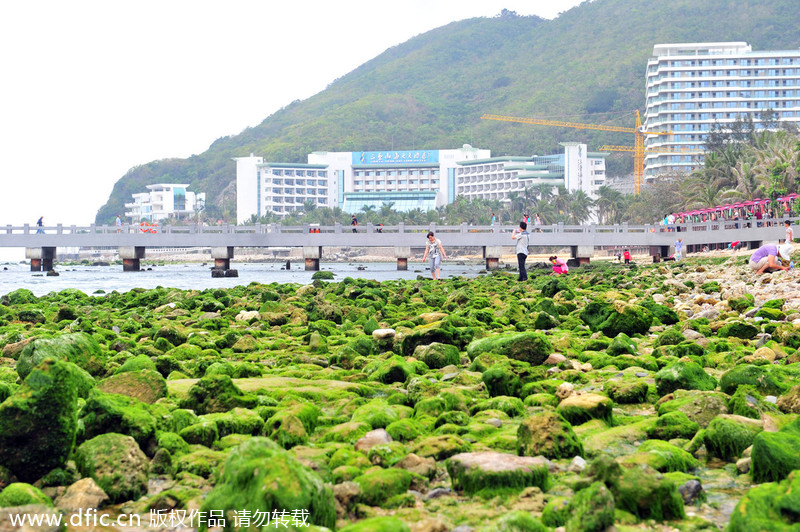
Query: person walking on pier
(40, 225)
(435, 251)
(354, 223)
(522, 237)
(118, 223)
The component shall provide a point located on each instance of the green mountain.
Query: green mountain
(587, 65)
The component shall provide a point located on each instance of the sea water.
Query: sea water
(104, 279)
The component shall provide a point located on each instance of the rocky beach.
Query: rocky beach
(617, 397)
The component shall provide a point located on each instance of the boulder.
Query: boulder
(82, 495)
(21, 494)
(699, 406)
(380, 485)
(776, 454)
(80, 348)
(579, 409)
(685, 376)
(146, 385)
(547, 434)
(42, 413)
(117, 465)
(531, 347)
(489, 470)
(437, 355)
(371, 439)
(260, 476)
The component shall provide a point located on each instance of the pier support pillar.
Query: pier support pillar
(492, 255)
(131, 255)
(41, 258)
(659, 252)
(312, 254)
(402, 253)
(581, 255)
(222, 262)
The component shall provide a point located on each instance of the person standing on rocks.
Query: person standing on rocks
(764, 259)
(678, 249)
(523, 238)
(789, 233)
(435, 251)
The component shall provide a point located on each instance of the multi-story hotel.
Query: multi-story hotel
(692, 86)
(495, 178)
(406, 179)
(164, 200)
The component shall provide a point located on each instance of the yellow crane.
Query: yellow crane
(637, 149)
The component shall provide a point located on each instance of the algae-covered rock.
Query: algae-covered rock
(765, 379)
(685, 376)
(145, 385)
(393, 369)
(617, 317)
(39, 422)
(380, 485)
(662, 456)
(517, 521)
(108, 412)
(79, 348)
(116, 463)
(22, 494)
(216, 393)
(531, 347)
(260, 476)
(437, 355)
(500, 379)
(440, 447)
(489, 470)
(776, 454)
(772, 506)
(648, 494)
(622, 344)
(547, 434)
(579, 409)
(699, 406)
(627, 391)
(590, 510)
(675, 424)
(727, 436)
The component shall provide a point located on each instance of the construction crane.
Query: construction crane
(638, 131)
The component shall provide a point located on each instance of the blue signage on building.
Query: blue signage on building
(396, 157)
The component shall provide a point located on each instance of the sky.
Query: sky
(92, 88)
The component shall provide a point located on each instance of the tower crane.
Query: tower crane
(638, 148)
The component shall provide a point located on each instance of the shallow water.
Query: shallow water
(91, 279)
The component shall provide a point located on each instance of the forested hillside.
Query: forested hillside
(430, 91)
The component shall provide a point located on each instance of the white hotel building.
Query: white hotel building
(164, 200)
(408, 179)
(692, 86)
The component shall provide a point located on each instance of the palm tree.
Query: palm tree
(609, 204)
(580, 207)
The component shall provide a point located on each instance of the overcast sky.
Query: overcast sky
(90, 89)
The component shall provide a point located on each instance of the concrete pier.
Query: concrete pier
(131, 257)
(222, 256)
(41, 258)
(402, 253)
(492, 256)
(312, 254)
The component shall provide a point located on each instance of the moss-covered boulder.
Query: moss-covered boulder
(438, 355)
(501, 379)
(627, 390)
(662, 456)
(216, 393)
(766, 379)
(531, 347)
(380, 485)
(393, 369)
(579, 409)
(617, 317)
(727, 436)
(108, 412)
(117, 465)
(675, 424)
(685, 376)
(740, 304)
(776, 454)
(440, 447)
(772, 506)
(622, 344)
(80, 348)
(590, 510)
(547, 434)
(22, 494)
(699, 406)
(260, 476)
(648, 494)
(145, 385)
(488, 471)
(39, 422)
(738, 329)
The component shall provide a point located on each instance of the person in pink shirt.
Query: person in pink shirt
(559, 265)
